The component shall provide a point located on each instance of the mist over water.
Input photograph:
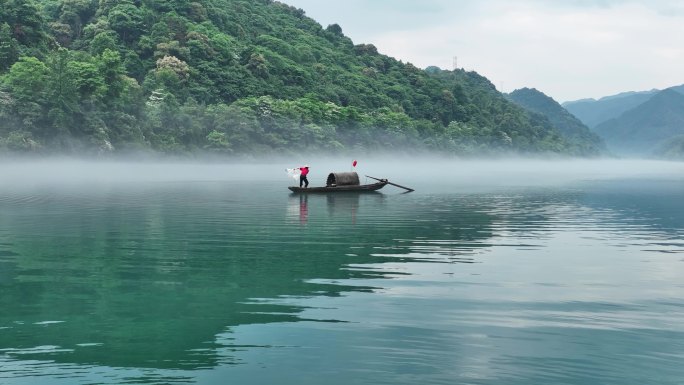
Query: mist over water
(514, 271)
(434, 172)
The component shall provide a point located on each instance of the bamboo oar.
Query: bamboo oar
(393, 184)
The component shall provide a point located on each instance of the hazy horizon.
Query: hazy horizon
(470, 173)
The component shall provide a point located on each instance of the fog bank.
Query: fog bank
(434, 171)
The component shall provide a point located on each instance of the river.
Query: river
(491, 272)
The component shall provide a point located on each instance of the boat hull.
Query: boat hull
(337, 189)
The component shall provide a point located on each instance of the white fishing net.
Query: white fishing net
(293, 173)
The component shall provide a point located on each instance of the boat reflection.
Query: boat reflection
(343, 206)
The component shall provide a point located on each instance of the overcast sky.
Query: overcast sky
(569, 49)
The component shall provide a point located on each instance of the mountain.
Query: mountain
(571, 127)
(672, 149)
(233, 77)
(593, 112)
(679, 89)
(645, 128)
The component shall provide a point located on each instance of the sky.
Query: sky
(569, 49)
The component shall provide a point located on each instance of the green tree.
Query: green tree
(61, 90)
(106, 40)
(218, 142)
(87, 80)
(26, 21)
(111, 68)
(9, 51)
(20, 141)
(27, 84)
(127, 20)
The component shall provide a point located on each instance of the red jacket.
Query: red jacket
(305, 170)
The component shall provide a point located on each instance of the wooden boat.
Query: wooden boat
(346, 182)
(330, 189)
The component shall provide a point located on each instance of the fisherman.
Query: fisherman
(304, 171)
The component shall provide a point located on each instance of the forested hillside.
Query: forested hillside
(233, 77)
(572, 128)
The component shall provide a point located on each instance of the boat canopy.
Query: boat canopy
(342, 179)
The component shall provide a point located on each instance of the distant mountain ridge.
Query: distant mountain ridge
(571, 127)
(646, 127)
(593, 112)
(643, 123)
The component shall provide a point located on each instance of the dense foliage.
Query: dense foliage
(584, 141)
(233, 76)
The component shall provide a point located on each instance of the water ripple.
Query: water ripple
(179, 282)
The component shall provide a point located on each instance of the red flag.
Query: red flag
(354, 164)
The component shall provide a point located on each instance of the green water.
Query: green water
(510, 273)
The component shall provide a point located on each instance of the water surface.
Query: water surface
(510, 272)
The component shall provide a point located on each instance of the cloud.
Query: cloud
(569, 50)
